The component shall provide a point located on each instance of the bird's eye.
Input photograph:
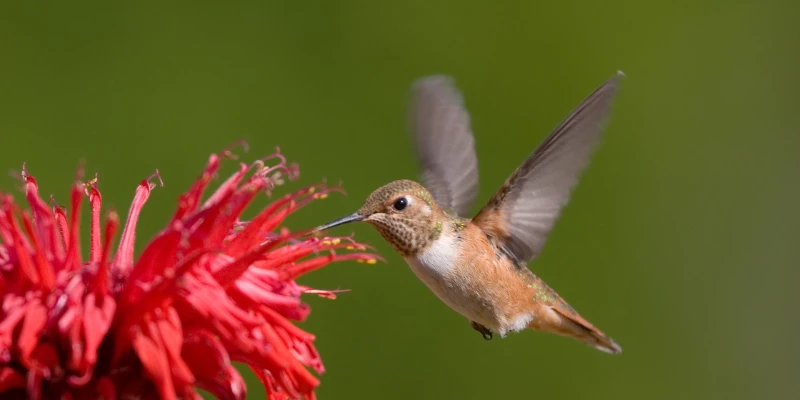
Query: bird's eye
(400, 204)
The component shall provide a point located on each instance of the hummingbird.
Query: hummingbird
(478, 267)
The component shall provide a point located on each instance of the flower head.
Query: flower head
(207, 290)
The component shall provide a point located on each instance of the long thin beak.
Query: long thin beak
(354, 217)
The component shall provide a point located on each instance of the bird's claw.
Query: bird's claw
(487, 334)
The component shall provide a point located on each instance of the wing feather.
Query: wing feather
(440, 128)
(522, 213)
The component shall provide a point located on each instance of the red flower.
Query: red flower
(208, 289)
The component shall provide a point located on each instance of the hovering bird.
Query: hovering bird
(478, 266)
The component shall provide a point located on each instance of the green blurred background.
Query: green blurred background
(681, 241)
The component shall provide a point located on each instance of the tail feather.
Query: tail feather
(562, 323)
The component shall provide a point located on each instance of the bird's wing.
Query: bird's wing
(522, 213)
(440, 128)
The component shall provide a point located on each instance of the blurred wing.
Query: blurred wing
(524, 210)
(444, 143)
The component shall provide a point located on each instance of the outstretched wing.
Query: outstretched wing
(522, 213)
(440, 128)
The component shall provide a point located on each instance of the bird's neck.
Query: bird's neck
(443, 236)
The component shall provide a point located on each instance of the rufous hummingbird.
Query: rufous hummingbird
(478, 266)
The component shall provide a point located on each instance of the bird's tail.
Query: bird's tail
(565, 321)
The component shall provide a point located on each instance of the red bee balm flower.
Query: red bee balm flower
(208, 289)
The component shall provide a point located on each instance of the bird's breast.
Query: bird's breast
(463, 274)
(468, 274)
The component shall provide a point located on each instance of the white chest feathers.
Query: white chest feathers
(437, 261)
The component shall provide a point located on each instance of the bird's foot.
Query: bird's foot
(487, 334)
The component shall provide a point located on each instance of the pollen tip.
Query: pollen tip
(112, 215)
(228, 153)
(156, 175)
(295, 168)
(257, 165)
(91, 183)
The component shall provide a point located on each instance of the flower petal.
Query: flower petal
(209, 361)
